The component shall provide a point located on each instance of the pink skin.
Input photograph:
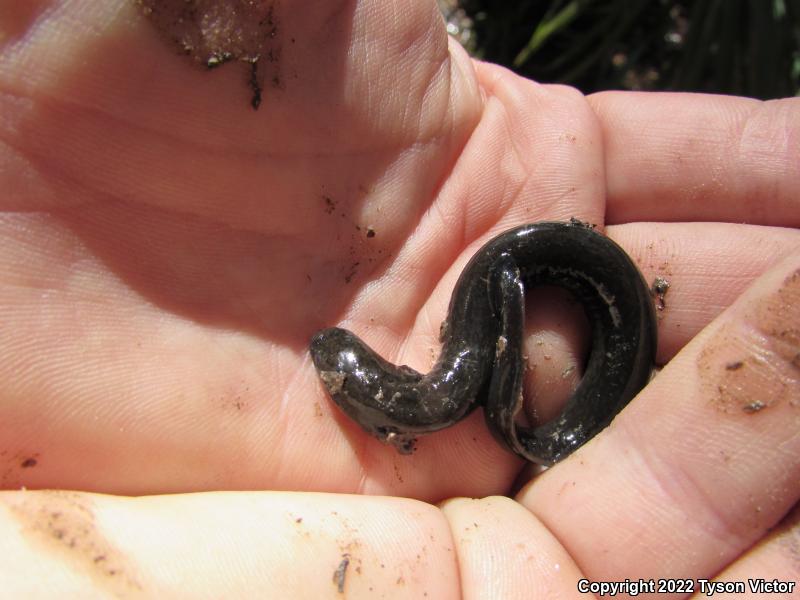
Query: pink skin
(167, 252)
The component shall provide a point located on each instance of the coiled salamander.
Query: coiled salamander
(481, 361)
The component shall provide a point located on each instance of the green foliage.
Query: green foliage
(743, 47)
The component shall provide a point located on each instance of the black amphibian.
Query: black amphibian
(482, 363)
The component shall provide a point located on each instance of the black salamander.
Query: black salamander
(481, 361)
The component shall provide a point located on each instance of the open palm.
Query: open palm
(168, 252)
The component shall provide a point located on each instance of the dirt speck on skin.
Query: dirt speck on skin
(340, 574)
(748, 388)
(13, 465)
(754, 406)
(63, 524)
(750, 366)
(398, 474)
(215, 32)
(659, 291)
(351, 272)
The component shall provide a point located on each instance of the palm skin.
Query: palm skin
(200, 245)
(168, 253)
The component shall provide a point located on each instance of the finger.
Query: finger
(707, 267)
(703, 462)
(773, 561)
(262, 545)
(505, 552)
(695, 157)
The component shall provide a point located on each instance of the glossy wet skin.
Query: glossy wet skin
(481, 362)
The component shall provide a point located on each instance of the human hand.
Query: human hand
(168, 253)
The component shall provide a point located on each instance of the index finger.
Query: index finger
(699, 157)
